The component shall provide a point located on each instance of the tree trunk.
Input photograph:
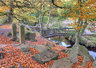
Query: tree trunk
(77, 35)
(40, 16)
(77, 38)
(14, 32)
(40, 22)
(21, 34)
(49, 12)
(10, 14)
(83, 29)
(48, 20)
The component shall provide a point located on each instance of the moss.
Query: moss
(84, 51)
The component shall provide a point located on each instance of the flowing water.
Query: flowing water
(63, 42)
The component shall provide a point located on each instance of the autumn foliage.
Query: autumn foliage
(13, 56)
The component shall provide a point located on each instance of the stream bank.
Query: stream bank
(89, 41)
(66, 42)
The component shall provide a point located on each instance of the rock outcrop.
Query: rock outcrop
(74, 52)
(45, 56)
(40, 48)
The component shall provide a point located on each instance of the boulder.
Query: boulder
(74, 52)
(62, 63)
(79, 50)
(45, 56)
(30, 36)
(40, 48)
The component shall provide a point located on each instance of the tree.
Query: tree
(81, 12)
(12, 6)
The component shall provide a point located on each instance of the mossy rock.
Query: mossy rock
(62, 63)
(79, 50)
(40, 48)
(84, 41)
(45, 56)
(30, 36)
(74, 52)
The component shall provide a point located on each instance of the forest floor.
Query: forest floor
(13, 56)
(11, 59)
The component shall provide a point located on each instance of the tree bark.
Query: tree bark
(77, 35)
(10, 16)
(83, 29)
(77, 38)
(40, 16)
(21, 34)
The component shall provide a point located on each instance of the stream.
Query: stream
(63, 42)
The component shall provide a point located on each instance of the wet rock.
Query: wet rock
(25, 49)
(1, 53)
(45, 56)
